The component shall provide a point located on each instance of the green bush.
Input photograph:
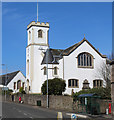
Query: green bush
(105, 93)
(55, 86)
(22, 91)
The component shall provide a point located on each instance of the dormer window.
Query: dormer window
(85, 60)
(40, 33)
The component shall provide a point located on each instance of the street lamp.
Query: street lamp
(46, 61)
(5, 79)
(48, 58)
(47, 74)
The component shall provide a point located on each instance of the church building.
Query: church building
(78, 65)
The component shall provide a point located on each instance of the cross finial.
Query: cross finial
(84, 35)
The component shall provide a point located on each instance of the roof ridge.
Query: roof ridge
(10, 73)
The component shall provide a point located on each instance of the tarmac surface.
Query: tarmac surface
(12, 111)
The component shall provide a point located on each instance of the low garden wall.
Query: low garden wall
(55, 102)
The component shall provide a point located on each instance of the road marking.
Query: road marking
(25, 114)
(30, 117)
(19, 111)
(78, 115)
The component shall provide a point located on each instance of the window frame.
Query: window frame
(14, 87)
(29, 35)
(97, 83)
(72, 83)
(86, 60)
(45, 70)
(18, 84)
(55, 72)
(40, 33)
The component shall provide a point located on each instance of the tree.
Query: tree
(55, 86)
(105, 73)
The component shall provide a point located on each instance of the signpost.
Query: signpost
(85, 101)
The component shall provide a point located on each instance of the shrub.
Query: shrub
(22, 91)
(105, 93)
(55, 86)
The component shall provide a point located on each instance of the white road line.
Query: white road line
(19, 111)
(25, 114)
(30, 117)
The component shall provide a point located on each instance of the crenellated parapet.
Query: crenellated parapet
(38, 24)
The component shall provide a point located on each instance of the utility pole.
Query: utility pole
(5, 80)
(47, 75)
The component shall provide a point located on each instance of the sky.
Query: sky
(68, 24)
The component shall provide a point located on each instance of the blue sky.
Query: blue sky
(68, 24)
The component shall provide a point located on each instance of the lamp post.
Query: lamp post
(47, 75)
(48, 58)
(46, 61)
(5, 79)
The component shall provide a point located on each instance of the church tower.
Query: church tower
(37, 44)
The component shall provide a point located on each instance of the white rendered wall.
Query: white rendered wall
(19, 76)
(71, 70)
(35, 55)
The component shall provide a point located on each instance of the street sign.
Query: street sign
(85, 101)
(73, 117)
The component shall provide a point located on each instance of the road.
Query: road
(11, 110)
(16, 110)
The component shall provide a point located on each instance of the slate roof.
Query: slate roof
(56, 54)
(73, 47)
(9, 77)
(53, 56)
(49, 55)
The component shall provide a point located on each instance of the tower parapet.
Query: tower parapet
(42, 24)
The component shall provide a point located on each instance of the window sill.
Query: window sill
(73, 87)
(91, 67)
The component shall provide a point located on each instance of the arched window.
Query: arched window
(73, 83)
(18, 84)
(97, 83)
(40, 33)
(23, 85)
(29, 35)
(27, 85)
(14, 85)
(55, 70)
(27, 67)
(85, 60)
(45, 71)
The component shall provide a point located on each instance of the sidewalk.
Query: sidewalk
(89, 116)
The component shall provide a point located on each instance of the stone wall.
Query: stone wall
(55, 102)
(104, 104)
